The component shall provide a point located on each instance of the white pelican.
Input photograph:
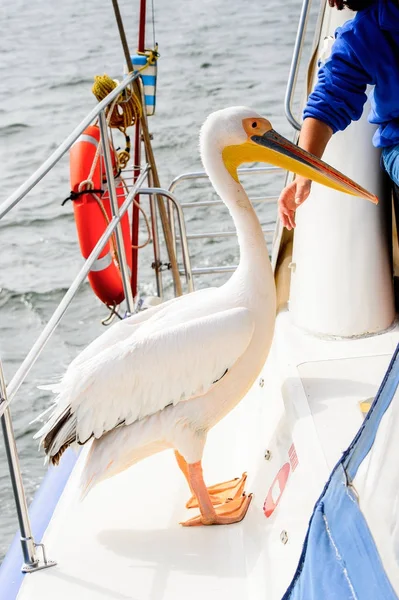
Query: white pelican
(162, 378)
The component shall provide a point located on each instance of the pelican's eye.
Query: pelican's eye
(254, 124)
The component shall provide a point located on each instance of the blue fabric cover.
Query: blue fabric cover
(339, 560)
(366, 51)
(390, 159)
(40, 511)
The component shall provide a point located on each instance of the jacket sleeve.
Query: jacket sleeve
(340, 93)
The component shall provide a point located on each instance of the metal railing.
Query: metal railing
(183, 235)
(294, 68)
(34, 179)
(193, 175)
(29, 546)
(7, 393)
(59, 312)
(124, 269)
(31, 560)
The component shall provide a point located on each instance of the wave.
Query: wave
(13, 128)
(39, 222)
(72, 83)
(32, 298)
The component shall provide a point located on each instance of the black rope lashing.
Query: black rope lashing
(75, 195)
(113, 313)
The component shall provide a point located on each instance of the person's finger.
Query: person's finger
(287, 217)
(283, 216)
(291, 218)
(285, 202)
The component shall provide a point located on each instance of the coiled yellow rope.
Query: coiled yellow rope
(127, 109)
(122, 113)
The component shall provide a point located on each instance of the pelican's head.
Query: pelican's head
(241, 135)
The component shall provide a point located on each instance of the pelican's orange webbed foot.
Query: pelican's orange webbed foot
(222, 492)
(226, 514)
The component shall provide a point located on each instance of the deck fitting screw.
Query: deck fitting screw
(268, 455)
(261, 382)
(284, 536)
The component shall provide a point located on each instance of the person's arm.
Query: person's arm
(314, 138)
(338, 99)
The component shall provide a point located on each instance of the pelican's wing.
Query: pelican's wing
(116, 333)
(125, 328)
(140, 376)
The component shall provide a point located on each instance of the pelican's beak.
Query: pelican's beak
(282, 153)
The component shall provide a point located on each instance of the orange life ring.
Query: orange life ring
(92, 215)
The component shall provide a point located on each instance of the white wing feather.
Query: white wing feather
(142, 374)
(125, 328)
(119, 331)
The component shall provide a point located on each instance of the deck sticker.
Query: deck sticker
(293, 457)
(280, 481)
(276, 490)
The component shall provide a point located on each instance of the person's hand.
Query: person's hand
(292, 196)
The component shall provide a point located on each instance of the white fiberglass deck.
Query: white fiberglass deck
(125, 542)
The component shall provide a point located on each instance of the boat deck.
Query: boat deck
(124, 540)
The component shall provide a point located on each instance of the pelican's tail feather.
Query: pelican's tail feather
(57, 435)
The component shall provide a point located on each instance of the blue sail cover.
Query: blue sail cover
(339, 560)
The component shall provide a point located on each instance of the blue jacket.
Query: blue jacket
(365, 51)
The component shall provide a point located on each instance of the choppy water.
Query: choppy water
(214, 54)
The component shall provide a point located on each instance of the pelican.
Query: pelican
(162, 378)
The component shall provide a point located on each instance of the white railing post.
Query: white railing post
(31, 561)
(123, 266)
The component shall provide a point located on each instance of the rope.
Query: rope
(148, 240)
(124, 155)
(112, 239)
(118, 116)
(88, 184)
(75, 195)
(89, 190)
(152, 56)
(113, 313)
(126, 110)
(153, 22)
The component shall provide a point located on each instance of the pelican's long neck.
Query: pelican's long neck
(253, 249)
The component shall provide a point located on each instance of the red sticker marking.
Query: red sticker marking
(293, 457)
(276, 490)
